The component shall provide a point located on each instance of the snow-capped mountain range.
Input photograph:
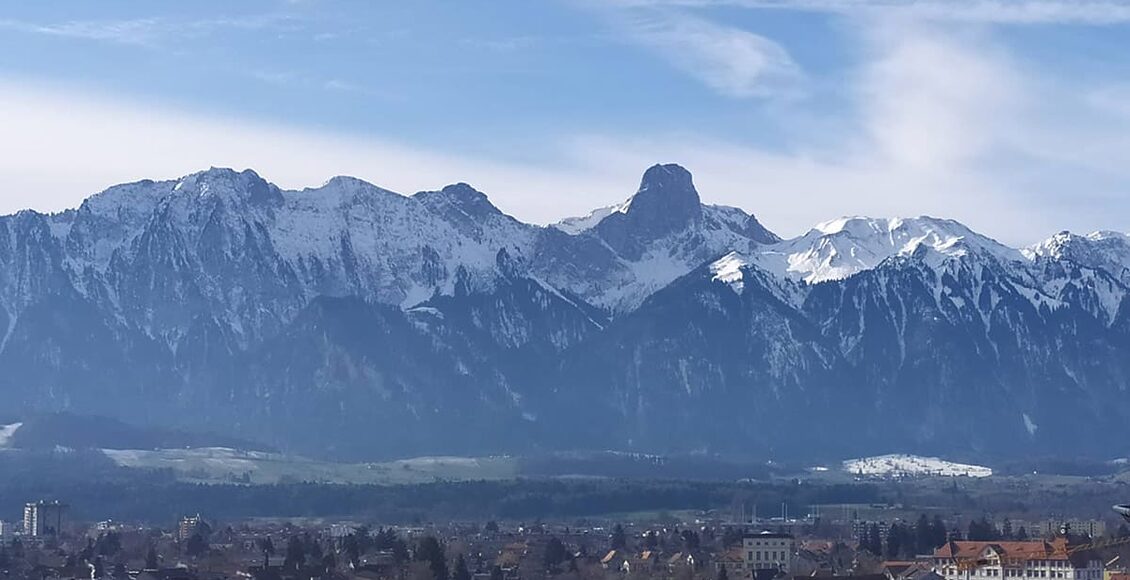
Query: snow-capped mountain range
(354, 321)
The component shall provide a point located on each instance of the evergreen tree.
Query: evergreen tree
(151, 558)
(874, 543)
(619, 539)
(363, 535)
(108, 544)
(429, 550)
(1022, 534)
(982, 531)
(399, 551)
(313, 548)
(295, 553)
(938, 534)
(196, 546)
(691, 541)
(555, 553)
(894, 541)
(1006, 530)
(722, 573)
(461, 572)
(267, 547)
(923, 535)
(352, 549)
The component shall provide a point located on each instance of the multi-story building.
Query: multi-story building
(768, 551)
(43, 518)
(1093, 528)
(860, 528)
(189, 526)
(1042, 560)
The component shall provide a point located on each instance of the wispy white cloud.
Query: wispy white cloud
(985, 11)
(149, 32)
(931, 99)
(731, 61)
(302, 80)
(137, 31)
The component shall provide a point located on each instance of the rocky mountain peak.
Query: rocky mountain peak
(241, 186)
(666, 200)
(459, 197)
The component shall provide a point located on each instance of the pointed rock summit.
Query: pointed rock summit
(666, 200)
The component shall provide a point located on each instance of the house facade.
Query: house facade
(768, 551)
(1039, 560)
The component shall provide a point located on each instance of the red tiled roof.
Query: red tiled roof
(732, 555)
(1042, 550)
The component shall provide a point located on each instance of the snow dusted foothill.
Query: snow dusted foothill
(6, 433)
(897, 466)
(354, 321)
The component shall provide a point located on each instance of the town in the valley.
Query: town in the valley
(865, 541)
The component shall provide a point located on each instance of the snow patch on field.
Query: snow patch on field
(898, 465)
(6, 433)
(224, 465)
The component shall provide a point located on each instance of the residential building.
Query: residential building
(768, 551)
(912, 570)
(1055, 527)
(860, 528)
(680, 560)
(733, 560)
(613, 560)
(43, 518)
(1038, 560)
(189, 526)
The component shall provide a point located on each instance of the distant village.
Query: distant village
(868, 542)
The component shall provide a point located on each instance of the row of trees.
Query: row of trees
(430, 551)
(904, 541)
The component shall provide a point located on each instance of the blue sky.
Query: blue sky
(1010, 115)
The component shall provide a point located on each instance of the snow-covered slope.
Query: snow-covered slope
(1104, 250)
(225, 465)
(6, 433)
(617, 256)
(897, 466)
(580, 224)
(839, 248)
